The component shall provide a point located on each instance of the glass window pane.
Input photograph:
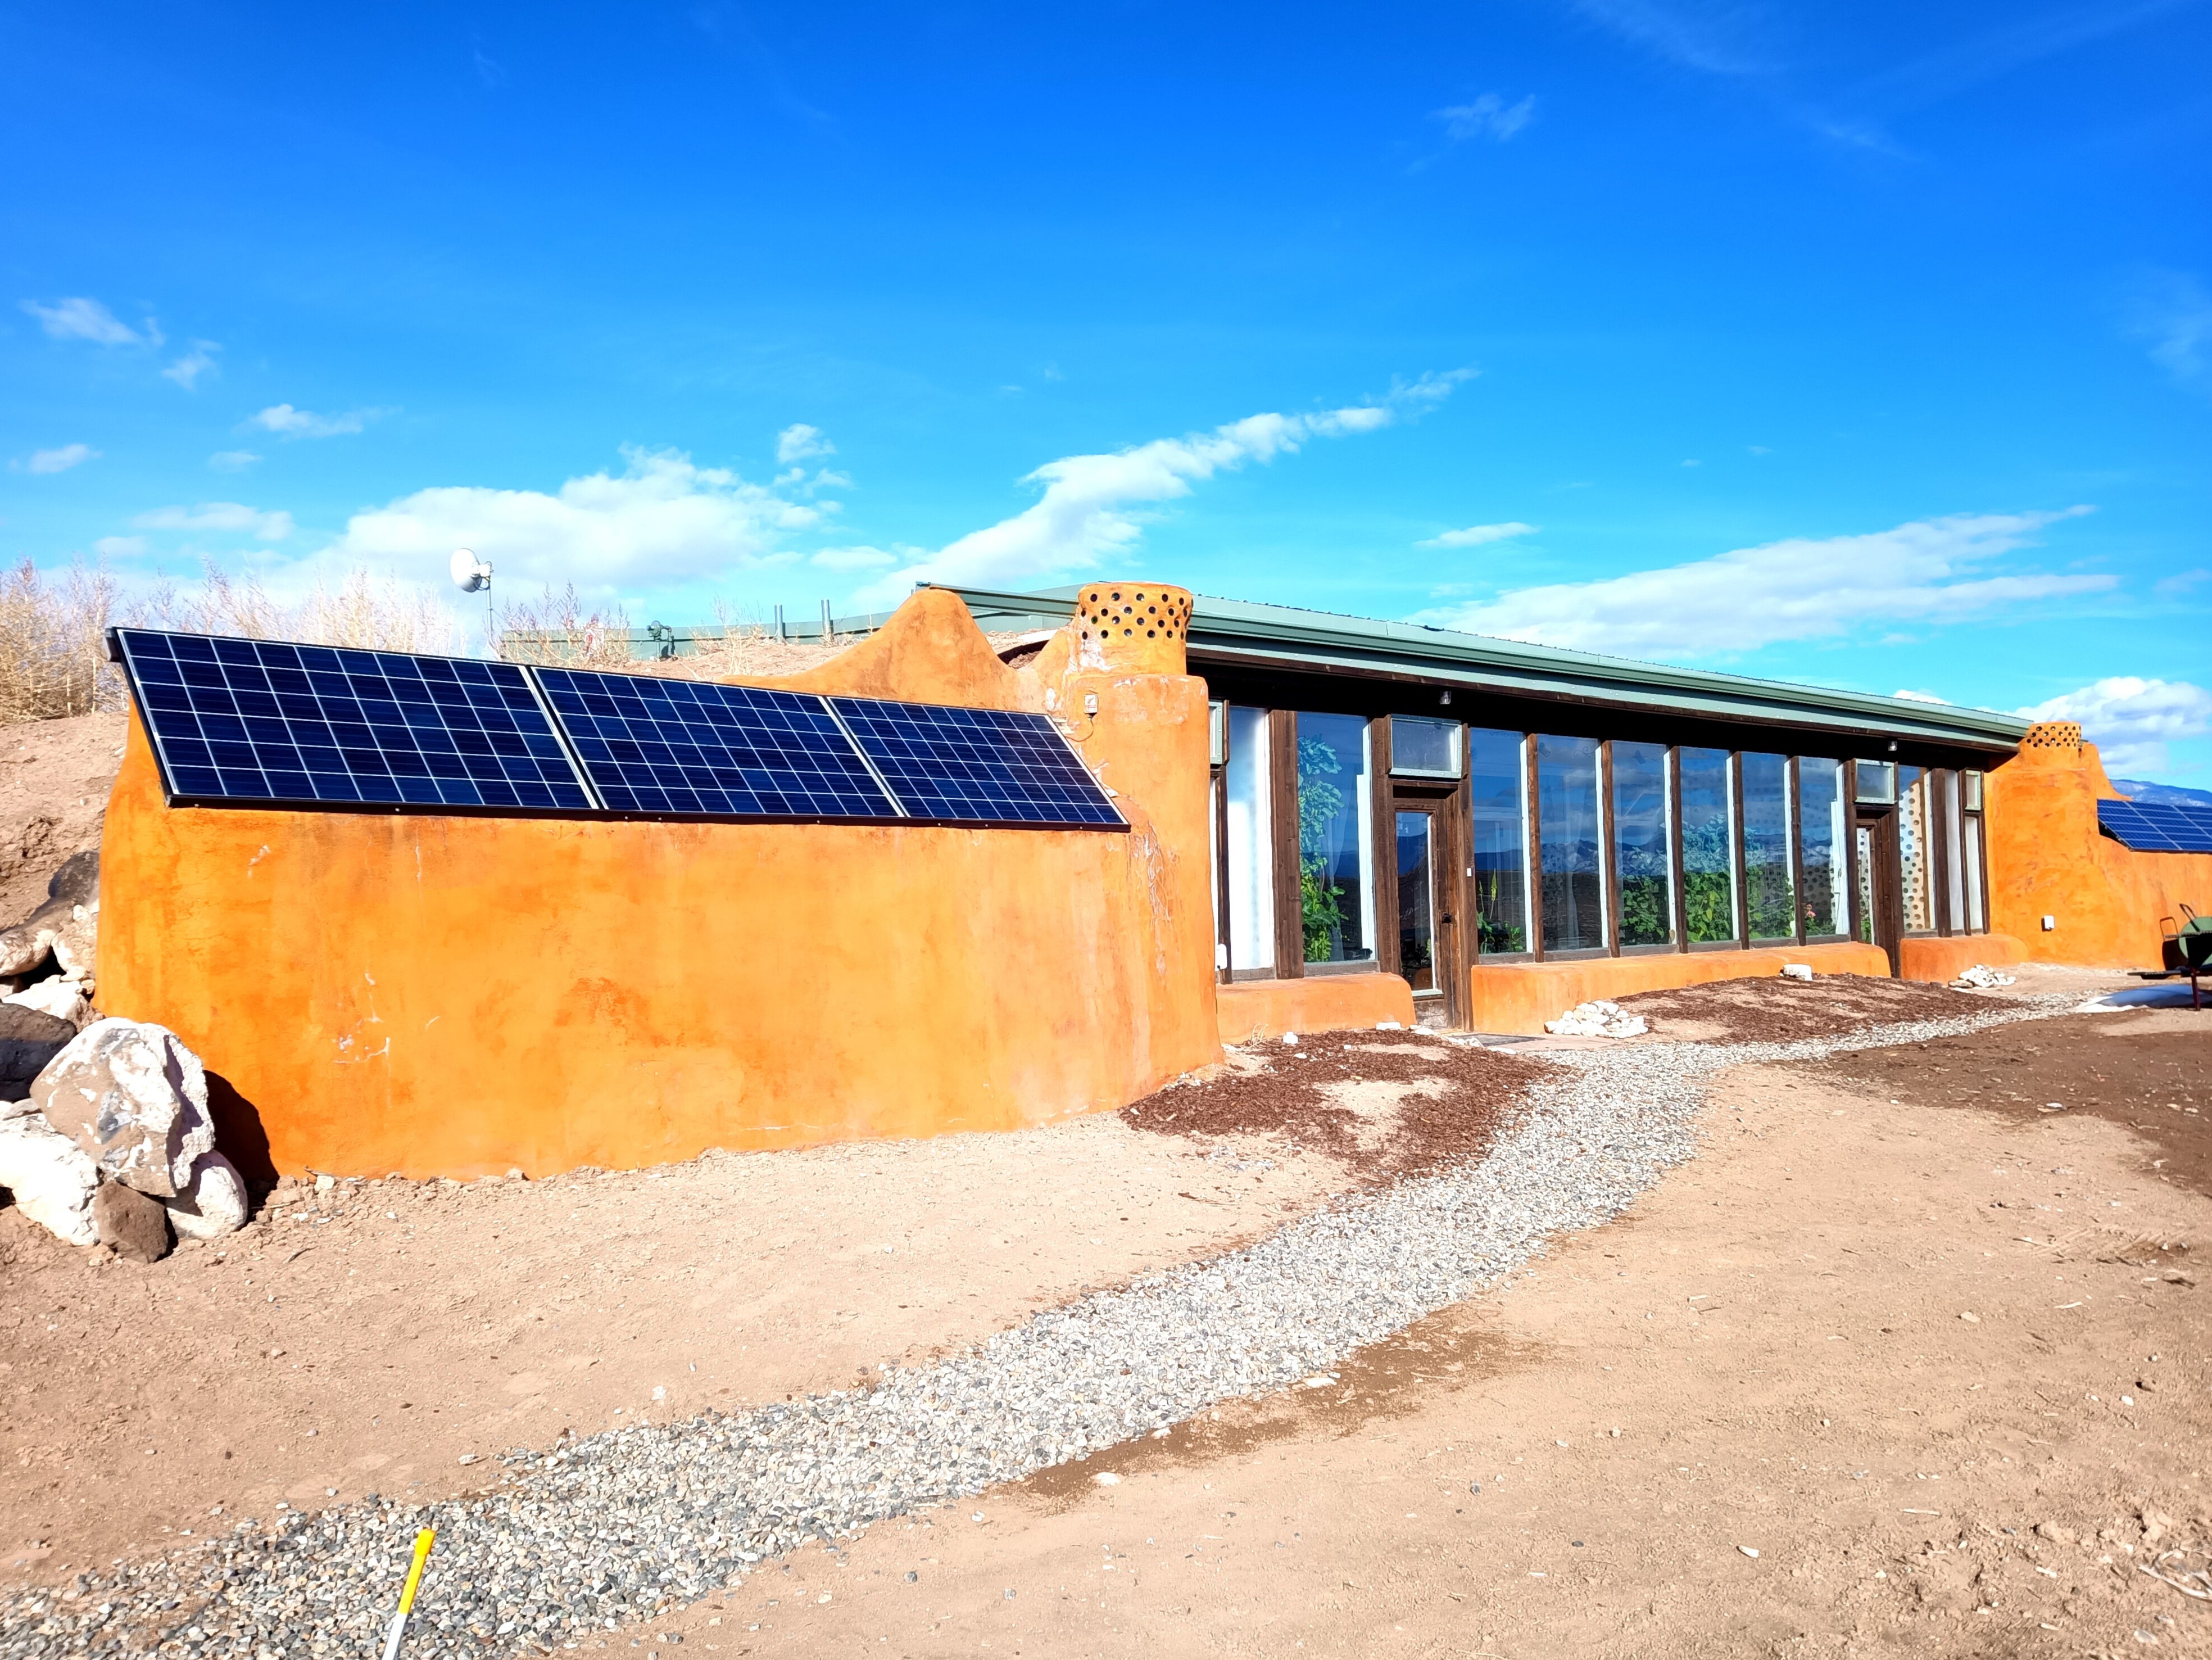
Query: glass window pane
(1567, 816)
(1863, 849)
(1495, 779)
(1251, 854)
(1708, 846)
(1769, 902)
(1639, 844)
(1417, 910)
(1878, 781)
(1974, 874)
(1825, 904)
(1954, 876)
(1973, 792)
(1336, 839)
(1424, 749)
(1914, 851)
(1217, 733)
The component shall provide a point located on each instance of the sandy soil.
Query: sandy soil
(1944, 1371)
(54, 779)
(369, 1338)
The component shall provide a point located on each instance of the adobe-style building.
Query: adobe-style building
(1315, 822)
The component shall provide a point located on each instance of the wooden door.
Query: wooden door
(1427, 853)
(1880, 899)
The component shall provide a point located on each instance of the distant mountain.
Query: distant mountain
(2169, 795)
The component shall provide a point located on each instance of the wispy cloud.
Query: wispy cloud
(59, 459)
(1992, 53)
(288, 422)
(1487, 117)
(1804, 588)
(1715, 39)
(234, 518)
(83, 318)
(2131, 720)
(1475, 535)
(800, 442)
(233, 460)
(1093, 507)
(2172, 316)
(120, 547)
(200, 360)
(663, 518)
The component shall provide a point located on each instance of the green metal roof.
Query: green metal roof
(1240, 631)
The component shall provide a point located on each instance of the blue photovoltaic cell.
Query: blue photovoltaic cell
(261, 722)
(976, 766)
(689, 746)
(2155, 827)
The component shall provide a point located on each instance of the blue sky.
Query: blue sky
(1869, 345)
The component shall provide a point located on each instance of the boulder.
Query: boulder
(25, 948)
(136, 1227)
(51, 1177)
(134, 1097)
(29, 1039)
(212, 1203)
(78, 879)
(77, 942)
(62, 999)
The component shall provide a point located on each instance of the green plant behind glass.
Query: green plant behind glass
(1320, 902)
(1708, 896)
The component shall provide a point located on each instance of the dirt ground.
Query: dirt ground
(54, 779)
(1776, 1010)
(1944, 1371)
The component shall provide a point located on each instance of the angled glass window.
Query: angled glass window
(1640, 857)
(1973, 787)
(1708, 846)
(1954, 866)
(1974, 919)
(1878, 782)
(1496, 774)
(1424, 749)
(1916, 853)
(1336, 839)
(1251, 851)
(1770, 903)
(1566, 817)
(1824, 906)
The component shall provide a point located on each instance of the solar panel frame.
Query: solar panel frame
(282, 724)
(928, 757)
(663, 748)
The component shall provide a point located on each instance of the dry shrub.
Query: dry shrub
(365, 611)
(53, 657)
(556, 628)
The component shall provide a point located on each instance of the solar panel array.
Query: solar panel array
(265, 723)
(2156, 827)
(687, 746)
(262, 722)
(975, 766)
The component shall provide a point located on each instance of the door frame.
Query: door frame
(1444, 801)
(1884, 881)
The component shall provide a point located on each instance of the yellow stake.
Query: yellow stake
(423, 1541)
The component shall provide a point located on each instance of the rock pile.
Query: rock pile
(105, 1134)
(1598, 1019)
(1981, 978)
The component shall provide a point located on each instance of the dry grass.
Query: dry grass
(558, 628)
(53, 661)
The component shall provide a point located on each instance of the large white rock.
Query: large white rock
(1600, 1017)
(23, 948)
(212, 1203)
(62, 999)
(77, 942)
(51, 1177)
(132, 1095)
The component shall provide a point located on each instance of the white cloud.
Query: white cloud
(80, 319)
(1488, 116)
(861, 558)
(233, 460)
(800, 442)
(2174, 315)
(662, 519)
(288, 422)
(2131, 720)
(1911, 697)
(1801, 589)
(233, 517)
(1475, 535)
(120, 547)
(55, 461)
(187, 369)
(1091, 508)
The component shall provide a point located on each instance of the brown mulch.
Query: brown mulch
(1775, 1010)
(2137, 1070)
(1463, 1094)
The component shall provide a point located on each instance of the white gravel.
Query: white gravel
(624, 1525)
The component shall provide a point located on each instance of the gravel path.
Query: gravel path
(622, 1525)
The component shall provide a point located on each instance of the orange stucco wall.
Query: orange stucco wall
(1520, 997)
(1944, 960)
(2047, 858)
(1330, 1002)
(455, 995)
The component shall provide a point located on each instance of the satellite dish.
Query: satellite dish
(470, 573)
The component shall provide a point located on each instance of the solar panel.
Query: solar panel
(977, 766)
(657, 746)
(2156, 827)
(263, 722)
